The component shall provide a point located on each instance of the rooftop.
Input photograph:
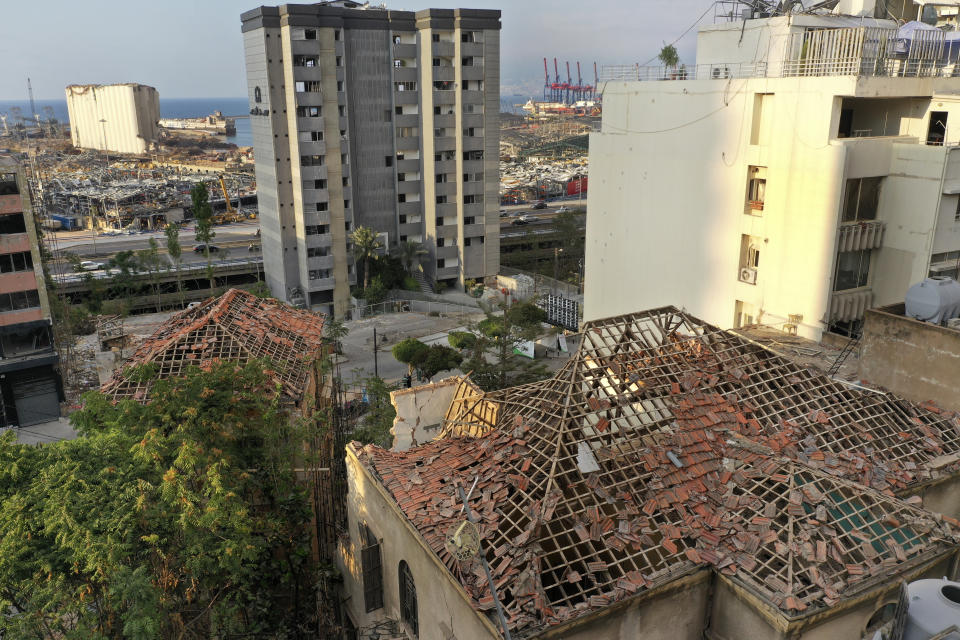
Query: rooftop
(237, 327)
(667, 446)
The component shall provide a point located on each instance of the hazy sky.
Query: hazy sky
(193, 48)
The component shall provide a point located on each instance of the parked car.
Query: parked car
(520, 221)
(90, 265)
(564, 210)
(201, 247)
(504, 213)
(540, 205)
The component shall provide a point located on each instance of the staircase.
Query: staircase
(421, 279)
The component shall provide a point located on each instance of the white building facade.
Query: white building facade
(375, 118)
(803, 171)
(121, 118)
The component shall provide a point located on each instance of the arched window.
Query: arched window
(408, 598)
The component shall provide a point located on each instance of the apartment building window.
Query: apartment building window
(756, 189)
(317, 229)
(307, 86)
(441, 199)
(435, 37)
(305, 61)
(346, 181)
(310, 34)
(443, 85)
(407, 132)
(401, 197)
(956, 214)
(372, 568)
(473, 199)
(346, 204)
(441, 178)
(323, 206)
(473, 155)
(341, 110)
(473, 177)
(343, 158)
(388, 161)
(319, 274)
(339, 61)
(436, 62)
(339, 85)
(19, 300)
(749, 259)
(469, 220)
(439, 221)
(861, 199)
(469, 241)
(469, 36)
(311, 161)
(346, 226)
(441, 263)
(337, 34)
(403, 218)
(308, 112)
(316, 136)
(12, 223)
(10, 262)
(853, 270)
(318, 252)
(398, 64)
(319, 184)
(467, 62)
(472, 108)
(401, 177)
(441, 242)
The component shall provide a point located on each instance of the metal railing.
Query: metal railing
(444, 309)
(636, 73)
(185, 270)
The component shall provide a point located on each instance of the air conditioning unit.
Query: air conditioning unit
(748, 275)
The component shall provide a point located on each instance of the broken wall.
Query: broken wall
(914, 359)
(420, 410)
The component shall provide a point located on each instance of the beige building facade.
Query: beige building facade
(793, 177)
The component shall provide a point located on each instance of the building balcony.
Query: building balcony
(850, 305)
(408, 166)
(14, 243)
(406, 74)
(408, 144)
(404, 51)
(472, 73)
(406, 97)
(474, 49)
(859, 236)
(406, 120)
(442, 49)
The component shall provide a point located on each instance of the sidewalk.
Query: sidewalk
(44, 433)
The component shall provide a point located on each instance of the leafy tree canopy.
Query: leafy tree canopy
(176, 519)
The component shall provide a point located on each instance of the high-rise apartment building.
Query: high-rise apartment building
(375, 118)
(804, 169)
(30, 387)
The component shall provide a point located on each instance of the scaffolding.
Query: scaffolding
(664, 447)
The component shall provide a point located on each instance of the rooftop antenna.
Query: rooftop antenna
(33, 105)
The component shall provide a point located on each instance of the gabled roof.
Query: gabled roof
(235, 327)
(666, 445)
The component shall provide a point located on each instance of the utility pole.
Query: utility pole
(376, 369)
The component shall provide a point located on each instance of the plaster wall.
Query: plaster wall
(913, 359)
(420, 410)
(443, 610)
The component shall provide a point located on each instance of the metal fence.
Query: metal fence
(444, 309)
(636, 73)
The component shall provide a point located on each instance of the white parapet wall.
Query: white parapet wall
(121, 118)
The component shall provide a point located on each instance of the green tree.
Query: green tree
(668, 56)
(123, 267)
(410, 352)
(178, 518)
(491, 354)
(376, 292)
(175, 251)
(149, 260)
(335, 331)
(375, 426)
(410, 253)
(204, 233)
(365, 247)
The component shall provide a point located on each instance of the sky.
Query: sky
(193, 48)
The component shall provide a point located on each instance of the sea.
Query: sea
(197, 107)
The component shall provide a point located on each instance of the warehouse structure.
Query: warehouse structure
(121, 118)
(673, 481)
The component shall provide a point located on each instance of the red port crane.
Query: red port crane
(546, 81)
(556, 93)
(569, 86)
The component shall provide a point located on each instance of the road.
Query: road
(540, 216)
(233, 239)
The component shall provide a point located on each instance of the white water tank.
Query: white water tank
(935, 300)
(934, 605)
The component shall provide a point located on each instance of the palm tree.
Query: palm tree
(409, 253)
(365, 246)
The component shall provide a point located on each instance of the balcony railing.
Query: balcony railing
(636, 73)
(858, 236)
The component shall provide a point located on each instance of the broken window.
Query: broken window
(22, 261)
(310, 34)
(853, 270)
(12, 223)
(861, 199)
(756, 189)
(19, 300)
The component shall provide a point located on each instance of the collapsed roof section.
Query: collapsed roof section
(235, 327)
(666, 445)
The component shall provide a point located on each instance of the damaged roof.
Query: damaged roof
(236, 327)
(665, 446)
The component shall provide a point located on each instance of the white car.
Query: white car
(564, 210)
(90, 265)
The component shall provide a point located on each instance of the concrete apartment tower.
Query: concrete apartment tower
(30, 386)
(804, 170)
(368, 117)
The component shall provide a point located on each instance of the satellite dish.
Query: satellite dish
(463, 541)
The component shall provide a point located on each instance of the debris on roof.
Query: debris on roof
(235, 327)
(666, 446)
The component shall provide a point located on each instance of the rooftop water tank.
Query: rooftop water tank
(935, 300)
(934, 605)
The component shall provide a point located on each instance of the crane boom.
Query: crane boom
(546, 74)
(33, 106)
